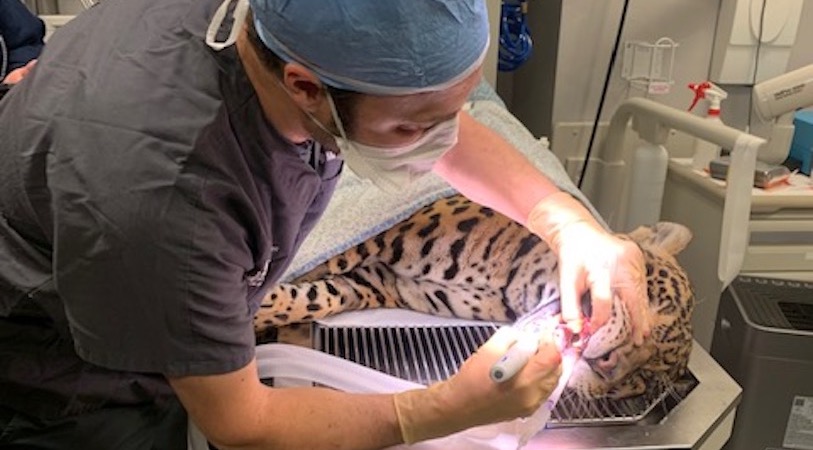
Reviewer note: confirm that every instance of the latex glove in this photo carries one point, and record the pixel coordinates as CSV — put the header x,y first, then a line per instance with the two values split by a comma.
x,y
470,398
591,258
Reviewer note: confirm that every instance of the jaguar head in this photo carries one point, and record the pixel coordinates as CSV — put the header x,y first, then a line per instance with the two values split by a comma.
x,y
611,364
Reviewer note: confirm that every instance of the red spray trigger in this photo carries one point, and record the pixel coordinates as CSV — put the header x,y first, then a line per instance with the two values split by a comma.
x,y
699,92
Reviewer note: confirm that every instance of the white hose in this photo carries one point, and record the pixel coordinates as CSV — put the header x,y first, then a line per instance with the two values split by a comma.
x,y
298,363
737,207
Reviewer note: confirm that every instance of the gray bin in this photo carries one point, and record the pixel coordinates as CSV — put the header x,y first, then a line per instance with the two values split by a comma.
x,y
764,339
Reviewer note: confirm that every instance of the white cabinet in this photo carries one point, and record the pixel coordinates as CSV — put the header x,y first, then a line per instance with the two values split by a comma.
x,y
780,242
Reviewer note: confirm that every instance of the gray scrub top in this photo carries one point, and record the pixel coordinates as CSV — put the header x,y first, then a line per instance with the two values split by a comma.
x,y
145,208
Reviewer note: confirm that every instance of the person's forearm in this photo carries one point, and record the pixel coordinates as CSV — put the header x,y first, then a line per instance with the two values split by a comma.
x,y
316,418
236,411
487,169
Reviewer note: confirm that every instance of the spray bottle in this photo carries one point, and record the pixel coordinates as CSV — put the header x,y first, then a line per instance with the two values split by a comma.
x,y
704,151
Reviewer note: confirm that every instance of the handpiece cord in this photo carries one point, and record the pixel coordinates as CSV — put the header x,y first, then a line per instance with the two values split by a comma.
x,y
756,66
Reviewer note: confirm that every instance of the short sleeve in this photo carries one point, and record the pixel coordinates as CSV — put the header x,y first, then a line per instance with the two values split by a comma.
x,y
153,278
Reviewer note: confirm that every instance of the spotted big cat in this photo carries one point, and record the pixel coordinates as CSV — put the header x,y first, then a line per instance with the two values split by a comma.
x,y
456,258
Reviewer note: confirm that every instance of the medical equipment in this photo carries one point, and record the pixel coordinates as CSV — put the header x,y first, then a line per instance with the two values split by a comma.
x,y
514,359
785,93
766,176
778,98
542,320
526,346
764,339
515,37
705,151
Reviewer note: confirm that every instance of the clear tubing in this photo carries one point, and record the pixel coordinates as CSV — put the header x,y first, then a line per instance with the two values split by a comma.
x,y
299,363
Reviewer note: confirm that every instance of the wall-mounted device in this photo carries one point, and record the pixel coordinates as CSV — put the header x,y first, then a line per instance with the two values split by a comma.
x,y
778,98
754,40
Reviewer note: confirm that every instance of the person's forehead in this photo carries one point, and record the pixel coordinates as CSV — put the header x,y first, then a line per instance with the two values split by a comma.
x,y
424,107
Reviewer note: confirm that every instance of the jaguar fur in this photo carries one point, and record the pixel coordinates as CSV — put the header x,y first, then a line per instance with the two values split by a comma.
x,y
456,258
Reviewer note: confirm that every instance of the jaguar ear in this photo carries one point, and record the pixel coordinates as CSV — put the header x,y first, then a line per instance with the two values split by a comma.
x,y
668,236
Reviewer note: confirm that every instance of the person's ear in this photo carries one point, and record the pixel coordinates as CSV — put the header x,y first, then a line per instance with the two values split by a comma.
x,y
304,87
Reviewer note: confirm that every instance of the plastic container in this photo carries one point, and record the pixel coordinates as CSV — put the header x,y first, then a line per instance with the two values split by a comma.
x,y
649,166
801,149
704,151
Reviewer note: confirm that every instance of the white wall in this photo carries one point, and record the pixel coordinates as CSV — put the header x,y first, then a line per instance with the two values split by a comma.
x,y
586,32
587,35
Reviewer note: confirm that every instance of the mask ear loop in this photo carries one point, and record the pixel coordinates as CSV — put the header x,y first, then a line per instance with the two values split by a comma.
x,y
335,112
240,12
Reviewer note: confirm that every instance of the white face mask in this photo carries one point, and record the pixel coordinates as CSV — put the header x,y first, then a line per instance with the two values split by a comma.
x,y
392,169
239,16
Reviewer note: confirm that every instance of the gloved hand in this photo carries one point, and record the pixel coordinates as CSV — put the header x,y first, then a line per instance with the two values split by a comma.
x,y
591,258
470,398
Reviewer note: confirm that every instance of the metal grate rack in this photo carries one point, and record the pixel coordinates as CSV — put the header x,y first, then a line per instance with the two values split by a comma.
x,y
426,354
421,354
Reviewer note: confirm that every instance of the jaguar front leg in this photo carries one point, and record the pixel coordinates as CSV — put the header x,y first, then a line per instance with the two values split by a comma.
x,y
301,302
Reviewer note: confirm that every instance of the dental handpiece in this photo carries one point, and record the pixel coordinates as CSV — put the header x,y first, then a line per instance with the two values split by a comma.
x,y
515,358
524,348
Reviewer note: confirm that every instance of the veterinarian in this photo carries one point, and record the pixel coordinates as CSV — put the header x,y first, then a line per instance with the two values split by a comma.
x,y
155,181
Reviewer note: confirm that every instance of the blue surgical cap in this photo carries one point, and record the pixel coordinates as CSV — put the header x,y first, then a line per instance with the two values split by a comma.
x,y
387,47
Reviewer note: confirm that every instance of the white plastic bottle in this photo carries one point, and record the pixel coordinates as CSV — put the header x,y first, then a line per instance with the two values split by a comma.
x,y
649,167
704,151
